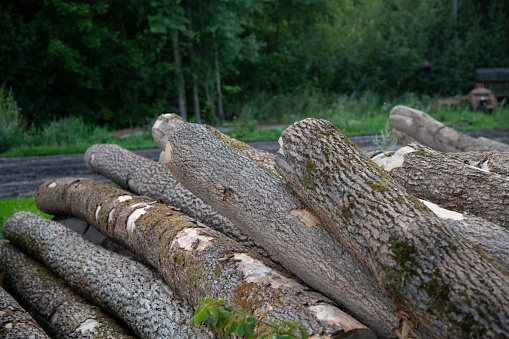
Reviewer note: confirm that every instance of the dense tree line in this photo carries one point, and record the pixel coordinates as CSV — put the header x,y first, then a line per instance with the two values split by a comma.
x,y
119,62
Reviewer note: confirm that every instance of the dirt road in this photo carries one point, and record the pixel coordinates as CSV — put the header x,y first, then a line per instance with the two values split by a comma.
x,y
20,176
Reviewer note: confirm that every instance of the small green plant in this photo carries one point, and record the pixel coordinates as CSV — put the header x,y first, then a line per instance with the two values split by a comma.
x,y
10,120
218,313
386,141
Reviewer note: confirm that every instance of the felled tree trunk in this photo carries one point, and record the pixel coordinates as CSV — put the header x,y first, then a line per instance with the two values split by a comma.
x,y
445,282
263,206
63,313
197,262
15,322
496,162
152,179
167,124
123,287
450,183
430,132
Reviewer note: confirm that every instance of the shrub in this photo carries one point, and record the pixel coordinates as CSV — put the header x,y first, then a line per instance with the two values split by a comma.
x,y
10,120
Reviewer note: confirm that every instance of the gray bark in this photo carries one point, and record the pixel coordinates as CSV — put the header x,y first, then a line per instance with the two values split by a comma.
x,y
430,132
15,322
452,183
450,286
264,207
496,162
164,126
152,179
125,288
195,261
63,313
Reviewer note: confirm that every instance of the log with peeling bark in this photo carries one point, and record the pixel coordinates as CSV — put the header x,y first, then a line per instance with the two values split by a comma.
x,y
15,322
152,179
496,162
416,125
449,285
262,205
196,261
450,183
63,313
166,125
123,287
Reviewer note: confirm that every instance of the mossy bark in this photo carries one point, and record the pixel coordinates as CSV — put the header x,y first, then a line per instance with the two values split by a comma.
x,y
195,261
442,280
424,129
262,205
15,322
152,179
449,182
123,287
63,313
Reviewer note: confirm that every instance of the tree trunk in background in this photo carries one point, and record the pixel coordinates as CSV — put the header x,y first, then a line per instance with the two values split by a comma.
x,y
196,99
126,288
430,132
263,206
63,313
179,72
445,282
147,177
195,261
452,184
211,103
219,93
15,322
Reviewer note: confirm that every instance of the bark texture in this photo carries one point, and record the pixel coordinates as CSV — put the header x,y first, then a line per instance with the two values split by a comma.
x,y
262,205
63,313
152,179
450,183
430,132
125,288
166,125
496,162
197,262
15,322
450,286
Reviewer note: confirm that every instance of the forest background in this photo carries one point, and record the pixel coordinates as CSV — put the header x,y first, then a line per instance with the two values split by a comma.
x,y
120,63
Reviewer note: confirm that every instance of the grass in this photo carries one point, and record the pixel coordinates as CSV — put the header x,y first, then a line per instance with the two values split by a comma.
x,y
10,206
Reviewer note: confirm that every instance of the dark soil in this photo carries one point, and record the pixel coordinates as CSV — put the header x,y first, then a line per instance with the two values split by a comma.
x,y
20,176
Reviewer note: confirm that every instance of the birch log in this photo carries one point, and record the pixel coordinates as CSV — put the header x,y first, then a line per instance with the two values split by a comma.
x,y
430,132
125,288
63,313
262,205
450,183
197,262
450,286
152,179
15,322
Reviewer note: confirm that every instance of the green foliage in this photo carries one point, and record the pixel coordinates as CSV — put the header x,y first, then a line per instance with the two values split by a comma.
x,y
238,322
10,206
385,141
10,120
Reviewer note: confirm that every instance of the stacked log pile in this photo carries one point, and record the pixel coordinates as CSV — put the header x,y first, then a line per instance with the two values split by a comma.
x,y
346,244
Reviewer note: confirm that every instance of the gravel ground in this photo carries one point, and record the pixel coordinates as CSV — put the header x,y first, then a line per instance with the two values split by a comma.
x,y
20,176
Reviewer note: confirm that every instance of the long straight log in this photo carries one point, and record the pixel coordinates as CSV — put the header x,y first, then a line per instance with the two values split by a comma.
x,y
63,313
15,322
496,162
262,205
445,282
125,288
452,183
149,178
197,262
430,132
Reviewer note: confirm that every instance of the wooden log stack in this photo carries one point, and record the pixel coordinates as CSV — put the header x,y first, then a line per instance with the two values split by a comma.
x,y
349,245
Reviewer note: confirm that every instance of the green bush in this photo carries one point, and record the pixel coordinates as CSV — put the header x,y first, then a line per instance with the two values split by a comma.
x,y
10,120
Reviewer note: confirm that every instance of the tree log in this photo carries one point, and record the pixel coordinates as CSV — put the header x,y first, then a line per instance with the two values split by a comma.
x,y
496,162
152,179
430,132
123,287
63,313
164,126
197,262
445,282
262,205
15,322
452,184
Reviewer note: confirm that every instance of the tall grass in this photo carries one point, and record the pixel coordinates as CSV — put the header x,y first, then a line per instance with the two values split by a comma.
x,y
10,120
